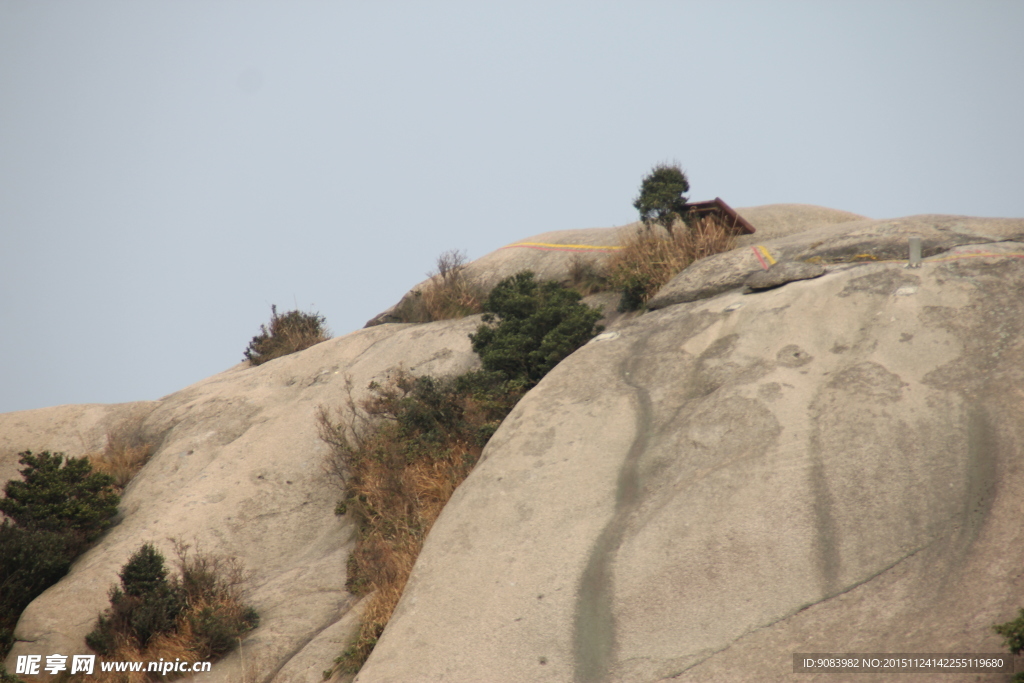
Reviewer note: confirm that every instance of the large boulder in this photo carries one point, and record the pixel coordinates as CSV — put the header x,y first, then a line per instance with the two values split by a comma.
x,y
828,466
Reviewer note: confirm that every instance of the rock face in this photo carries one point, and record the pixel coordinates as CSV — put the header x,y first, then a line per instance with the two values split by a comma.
x,y
830,465
781,273
858,241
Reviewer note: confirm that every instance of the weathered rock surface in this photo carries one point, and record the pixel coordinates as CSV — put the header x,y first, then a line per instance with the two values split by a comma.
x,y
783,272
847,242
829,466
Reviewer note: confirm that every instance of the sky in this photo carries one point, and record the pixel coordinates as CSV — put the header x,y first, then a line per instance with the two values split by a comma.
x,y
170,169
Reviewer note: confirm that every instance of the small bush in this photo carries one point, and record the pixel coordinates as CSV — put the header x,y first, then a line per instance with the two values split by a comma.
x,y
60,495
145,605
661,201
288,333
650,258
213,588
198,615
530,326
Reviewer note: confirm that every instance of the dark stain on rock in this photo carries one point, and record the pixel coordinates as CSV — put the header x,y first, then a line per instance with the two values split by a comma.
x,y
715,367
870,380
906,336
981,476
723,346
825,543
539,442
769,391
792,356
882,283
594,639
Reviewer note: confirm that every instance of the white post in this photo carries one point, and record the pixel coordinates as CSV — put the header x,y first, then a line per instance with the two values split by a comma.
x,y
915,253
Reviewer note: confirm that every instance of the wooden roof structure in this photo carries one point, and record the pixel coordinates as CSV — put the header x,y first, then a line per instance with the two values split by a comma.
x,y
723,213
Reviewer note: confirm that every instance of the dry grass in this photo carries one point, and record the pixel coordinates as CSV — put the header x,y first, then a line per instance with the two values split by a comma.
x,y
397,478
167,646
449,293
128,449
651,257
586,275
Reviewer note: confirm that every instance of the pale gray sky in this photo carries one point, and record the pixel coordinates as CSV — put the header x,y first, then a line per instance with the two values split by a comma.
x,y
168,170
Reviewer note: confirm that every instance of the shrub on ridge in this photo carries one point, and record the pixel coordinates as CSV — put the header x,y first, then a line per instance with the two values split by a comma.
x,y
293,331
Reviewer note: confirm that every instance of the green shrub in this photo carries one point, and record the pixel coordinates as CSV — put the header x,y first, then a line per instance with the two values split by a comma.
x,y
288,333
144,573
217,627
661,199
636,290
69,498
198,615
147,605
1013,638
30,562
52,515
530,326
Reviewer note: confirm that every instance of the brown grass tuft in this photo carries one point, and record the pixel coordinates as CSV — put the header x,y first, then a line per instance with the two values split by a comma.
x,y
128,449
586,275
447,295
450,294
651,257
